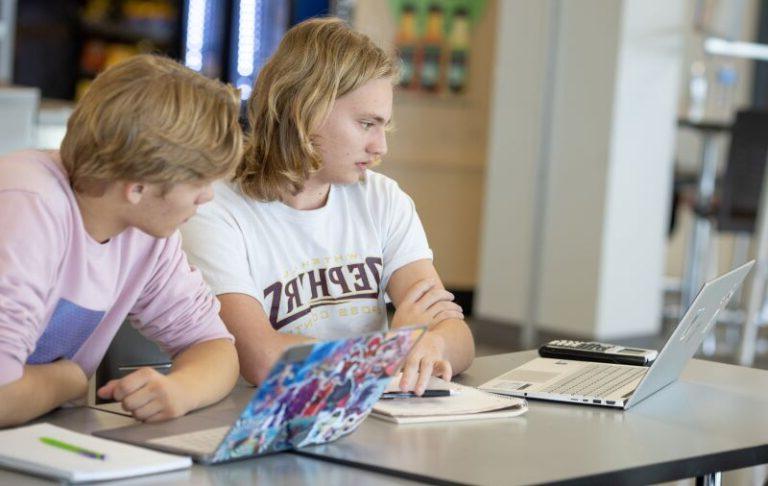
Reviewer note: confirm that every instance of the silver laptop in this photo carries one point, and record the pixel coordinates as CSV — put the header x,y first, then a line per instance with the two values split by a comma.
x,y
622,386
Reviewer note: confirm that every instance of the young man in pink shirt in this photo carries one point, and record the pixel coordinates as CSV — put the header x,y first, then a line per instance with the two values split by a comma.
x,y
88,238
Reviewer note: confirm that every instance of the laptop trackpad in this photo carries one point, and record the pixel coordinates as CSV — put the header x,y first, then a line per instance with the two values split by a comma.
x,y
529,376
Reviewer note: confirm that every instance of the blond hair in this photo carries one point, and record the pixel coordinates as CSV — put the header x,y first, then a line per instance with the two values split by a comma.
x,y
150,119
318,61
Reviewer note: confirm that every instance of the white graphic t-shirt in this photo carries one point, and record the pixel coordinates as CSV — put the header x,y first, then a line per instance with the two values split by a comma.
x,y
321,273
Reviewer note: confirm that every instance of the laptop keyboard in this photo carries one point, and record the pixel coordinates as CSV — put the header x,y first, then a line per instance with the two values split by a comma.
x,y
596,380
201,441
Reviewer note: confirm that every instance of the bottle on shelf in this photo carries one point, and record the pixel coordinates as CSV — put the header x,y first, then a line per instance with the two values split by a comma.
x,y
697,92
458,44
432,49
406,41
727,81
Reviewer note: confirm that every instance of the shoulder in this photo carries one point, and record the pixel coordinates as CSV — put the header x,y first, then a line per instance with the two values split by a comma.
x,y
33,171
384,194
231,205
218,220
376,189
146,256
378,198
376,183
227,191
34,175
228,203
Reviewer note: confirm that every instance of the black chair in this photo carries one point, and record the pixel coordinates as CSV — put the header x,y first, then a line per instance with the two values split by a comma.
x,y
741,184
740,191
128,352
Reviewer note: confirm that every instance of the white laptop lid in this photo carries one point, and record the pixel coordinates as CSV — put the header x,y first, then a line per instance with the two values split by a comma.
x,y
690,333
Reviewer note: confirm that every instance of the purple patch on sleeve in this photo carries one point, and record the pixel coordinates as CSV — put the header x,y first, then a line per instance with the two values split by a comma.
x,y
69,327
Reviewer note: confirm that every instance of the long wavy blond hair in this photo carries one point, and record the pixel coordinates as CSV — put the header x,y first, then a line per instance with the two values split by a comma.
x,y
318,61
150,119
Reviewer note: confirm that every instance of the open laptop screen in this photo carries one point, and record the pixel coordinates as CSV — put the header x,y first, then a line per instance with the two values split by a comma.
x,y
316,393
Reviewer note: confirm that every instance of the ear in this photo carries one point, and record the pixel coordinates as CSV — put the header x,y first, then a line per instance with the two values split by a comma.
x,y
134,191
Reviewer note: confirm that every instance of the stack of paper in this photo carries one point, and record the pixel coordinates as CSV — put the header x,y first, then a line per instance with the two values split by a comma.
x,y
466,403
52,451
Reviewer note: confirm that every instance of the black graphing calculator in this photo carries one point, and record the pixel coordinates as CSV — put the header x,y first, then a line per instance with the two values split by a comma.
x,y
591,351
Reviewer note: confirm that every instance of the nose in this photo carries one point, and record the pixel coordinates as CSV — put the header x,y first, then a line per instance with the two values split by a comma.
x,y
378,144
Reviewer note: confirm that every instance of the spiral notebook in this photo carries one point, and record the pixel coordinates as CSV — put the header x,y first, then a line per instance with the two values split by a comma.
x,y
47,450
466,403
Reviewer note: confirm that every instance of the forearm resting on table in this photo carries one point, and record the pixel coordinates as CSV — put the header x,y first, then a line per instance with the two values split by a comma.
x,y
207,370
40,389
257,358
258,345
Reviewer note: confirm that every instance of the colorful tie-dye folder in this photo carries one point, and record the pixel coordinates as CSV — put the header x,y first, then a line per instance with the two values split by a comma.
x,y
314,394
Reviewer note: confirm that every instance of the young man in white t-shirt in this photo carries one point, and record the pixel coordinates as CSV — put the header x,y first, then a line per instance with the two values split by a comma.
x,y
305,242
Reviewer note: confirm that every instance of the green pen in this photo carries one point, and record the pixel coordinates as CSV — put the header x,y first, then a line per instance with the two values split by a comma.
x,y
72,448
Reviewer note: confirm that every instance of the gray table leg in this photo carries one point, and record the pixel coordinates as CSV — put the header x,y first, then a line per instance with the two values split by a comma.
x,y
757,287
698,245
694,275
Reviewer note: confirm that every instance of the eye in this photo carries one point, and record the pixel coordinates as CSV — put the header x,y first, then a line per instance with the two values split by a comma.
x,y
366,124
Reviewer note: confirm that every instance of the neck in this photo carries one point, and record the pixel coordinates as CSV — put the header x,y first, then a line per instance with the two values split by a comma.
x,y
313,196
99,221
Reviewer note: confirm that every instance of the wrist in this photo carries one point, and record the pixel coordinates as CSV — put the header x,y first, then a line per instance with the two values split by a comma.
x,y
184,391
405,319
436,340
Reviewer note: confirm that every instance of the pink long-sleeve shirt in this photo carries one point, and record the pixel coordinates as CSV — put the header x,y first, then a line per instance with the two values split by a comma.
x,y
63,295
